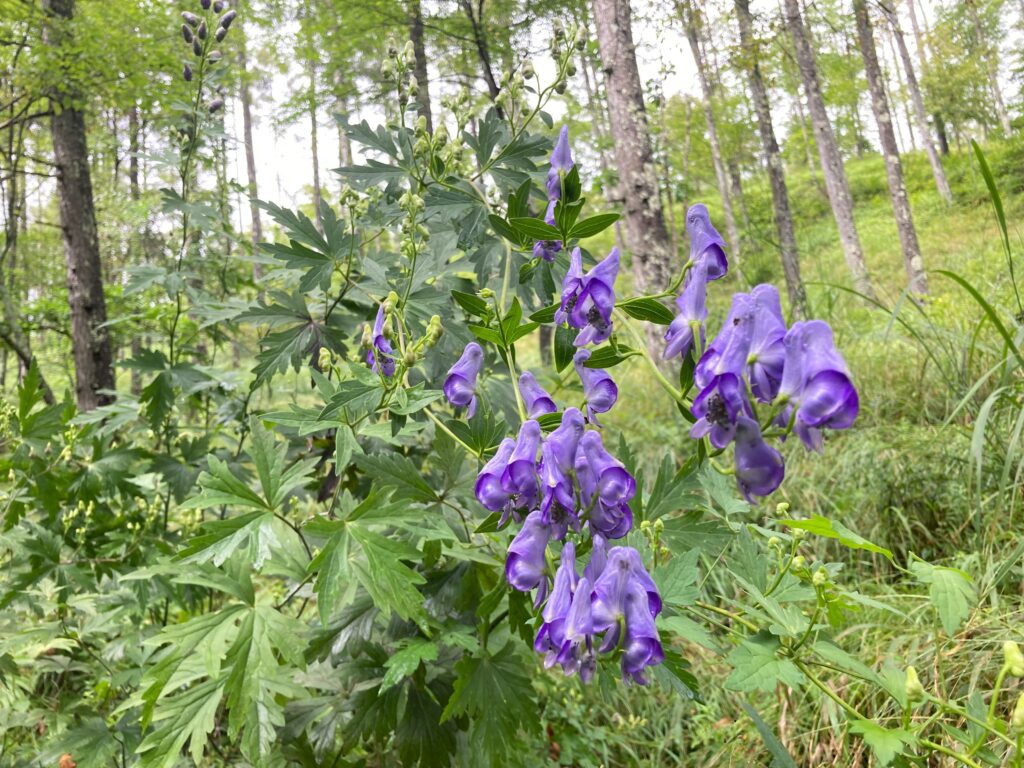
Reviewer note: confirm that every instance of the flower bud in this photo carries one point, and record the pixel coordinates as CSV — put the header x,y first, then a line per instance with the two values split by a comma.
x,y
410,357
197,48
367,340
215,105
798,562
570,69
408,52
187,73
390,302
324,359
581,43
782,508
560,87
559,30
205,4
912,687
190,18
1013,658
392,48
218,6
216,56
440,136
201,31
1017,719
528,71
388,331
220,34
421,147
799,533
414,85
387,69
434,330
186,33
820,577
485,293
227,18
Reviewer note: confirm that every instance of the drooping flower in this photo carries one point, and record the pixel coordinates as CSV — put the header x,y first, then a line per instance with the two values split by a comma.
x,y
759,467
538,402
767,351
598,557
460,384
548,249
626,598
729,350
557,462
706,245
599,389
816,383
577,654
717,409
692,313
572,286
381,356
561,163
526,563
605,487
551,636
489,490
590,308
520,476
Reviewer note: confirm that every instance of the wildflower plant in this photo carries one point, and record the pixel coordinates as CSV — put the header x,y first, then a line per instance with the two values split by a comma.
x,y
380,570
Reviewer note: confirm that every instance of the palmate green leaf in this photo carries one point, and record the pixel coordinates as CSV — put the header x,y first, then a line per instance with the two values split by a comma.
x,y
297,225
885,743
220,539
281,349
268,455
390,582
831,529
419,736
221,487
950,590
758,667
187,717
391,470
495,693
404,662
90,743
677,579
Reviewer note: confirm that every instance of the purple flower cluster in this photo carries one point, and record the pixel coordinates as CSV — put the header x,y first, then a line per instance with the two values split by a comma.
x,y
561,163
797,372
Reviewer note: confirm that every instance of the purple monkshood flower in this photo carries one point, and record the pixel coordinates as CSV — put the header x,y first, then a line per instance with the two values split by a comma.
x,y
489,490
605,487
538,402
561,163
767,352
816,383
729,350
520,476
598,557
625,597
759,467
526,563
599,389
460,384
588,300
577,653
551,636
548,249
717,409
692,312
706,245
381,356
557,462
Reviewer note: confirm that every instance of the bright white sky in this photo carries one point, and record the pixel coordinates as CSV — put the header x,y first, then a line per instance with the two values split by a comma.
x,y
284,169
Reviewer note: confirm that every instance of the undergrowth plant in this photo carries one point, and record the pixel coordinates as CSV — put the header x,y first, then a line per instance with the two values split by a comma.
x,y
379,570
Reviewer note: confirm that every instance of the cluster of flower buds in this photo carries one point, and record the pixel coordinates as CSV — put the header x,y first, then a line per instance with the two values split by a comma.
x,y
195,31
796,372
563,46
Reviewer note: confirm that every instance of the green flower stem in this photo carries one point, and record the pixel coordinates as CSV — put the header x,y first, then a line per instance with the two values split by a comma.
x,y
785,569
728,614
1003,672
946,706
843,704
950,752
642,347
441,425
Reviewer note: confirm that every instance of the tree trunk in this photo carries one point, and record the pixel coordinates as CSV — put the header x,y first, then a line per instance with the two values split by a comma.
x,y
245,96
602,130
645,224
690,20
476,20
836,184
992,65
912,260
773,161
920,117
315,144
89,338
420,52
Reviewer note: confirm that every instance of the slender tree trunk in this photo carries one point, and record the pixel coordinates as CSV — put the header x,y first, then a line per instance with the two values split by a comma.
x,y
89,338
245,96
692,23
940,123
135,190
315,144
912,260
836,184
992,65
645,223
420,53
773,161
603,130
920,117
476,20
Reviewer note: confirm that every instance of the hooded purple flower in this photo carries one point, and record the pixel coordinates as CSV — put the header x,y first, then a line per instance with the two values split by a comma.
x,y
717,408
577,653
599,389
548,249
759,467
538,402
692,312
520,476
551,636
460,384
590,307
816,383
572,286
605,486
381,356
706,245
526,563
557,462
489,490
598,557
729,350
625,594
767,351
561,163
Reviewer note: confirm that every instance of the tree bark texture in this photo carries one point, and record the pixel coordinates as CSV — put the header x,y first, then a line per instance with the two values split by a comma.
x,y
415,13
245,96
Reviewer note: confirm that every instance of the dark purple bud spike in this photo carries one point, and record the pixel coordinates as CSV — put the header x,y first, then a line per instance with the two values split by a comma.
x,y
190,18
187,73
220,34
227,18
205,4
218,6
215,105
197,48
201,31
186,33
